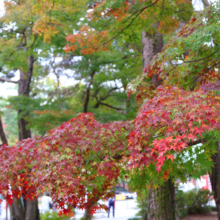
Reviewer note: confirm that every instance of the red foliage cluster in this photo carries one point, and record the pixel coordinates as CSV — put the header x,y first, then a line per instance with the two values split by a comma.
x,y
79,162
170,122
75,162
211,86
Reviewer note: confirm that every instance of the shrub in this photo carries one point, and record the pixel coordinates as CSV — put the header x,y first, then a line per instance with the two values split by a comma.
x,y
193,202
53,216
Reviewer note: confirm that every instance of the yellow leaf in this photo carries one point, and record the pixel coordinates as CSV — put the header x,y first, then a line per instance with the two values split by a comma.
x,y
58,182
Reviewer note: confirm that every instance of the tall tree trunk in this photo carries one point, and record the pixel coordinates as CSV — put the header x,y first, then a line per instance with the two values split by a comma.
x,y
17,211
2,133
32,211
205,3
24,90
29,209
152,44
161,202
215,178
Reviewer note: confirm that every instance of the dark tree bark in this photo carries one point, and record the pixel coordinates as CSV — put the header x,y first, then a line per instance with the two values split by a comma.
x,y
86,102
30,210
215,178
174,211
2,133
24,90
17,211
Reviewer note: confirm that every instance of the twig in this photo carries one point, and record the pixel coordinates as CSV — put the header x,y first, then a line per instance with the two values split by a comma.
x,y
140,11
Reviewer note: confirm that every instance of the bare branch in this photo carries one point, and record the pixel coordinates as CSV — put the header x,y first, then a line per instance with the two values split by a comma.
x,y
108,94
192,61
7,80
110,106
195,142
99,100
35,38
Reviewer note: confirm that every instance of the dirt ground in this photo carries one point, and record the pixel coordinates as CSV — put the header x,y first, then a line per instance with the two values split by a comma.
x,y
211,216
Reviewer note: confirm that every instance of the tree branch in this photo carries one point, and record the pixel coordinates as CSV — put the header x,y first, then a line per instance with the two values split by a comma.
x,y
85,107
131,22
99,100
110,106
109,92
35,38
207,70
7,80
192,61
192,143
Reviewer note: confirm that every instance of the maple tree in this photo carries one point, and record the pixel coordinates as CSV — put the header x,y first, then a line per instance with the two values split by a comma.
x,y
27,35
170,121
183,62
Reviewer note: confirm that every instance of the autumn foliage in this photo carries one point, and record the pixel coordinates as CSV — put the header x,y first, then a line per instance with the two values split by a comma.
x,y
77,162
170,122
88,39
81,161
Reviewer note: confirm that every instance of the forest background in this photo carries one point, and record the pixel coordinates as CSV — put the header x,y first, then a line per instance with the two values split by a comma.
x,y
163,54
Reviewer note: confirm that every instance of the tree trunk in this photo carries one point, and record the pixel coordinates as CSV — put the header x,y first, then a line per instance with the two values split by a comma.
x,y
161,202
32,211
215,178
205,3
24,90
91,201
29,209
87,215
17,211
152,44
86,102
2,133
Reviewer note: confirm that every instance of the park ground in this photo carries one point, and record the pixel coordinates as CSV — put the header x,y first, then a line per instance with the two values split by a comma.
x,y
127,209
211,216
124,210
